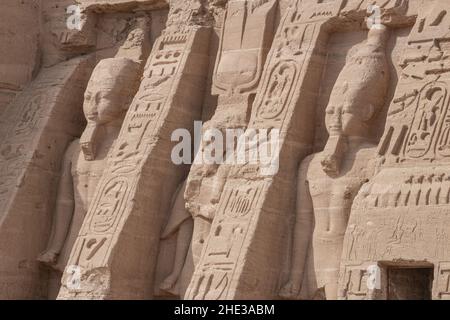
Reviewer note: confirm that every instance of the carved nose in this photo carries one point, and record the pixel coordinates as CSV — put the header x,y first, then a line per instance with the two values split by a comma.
x,y
337,118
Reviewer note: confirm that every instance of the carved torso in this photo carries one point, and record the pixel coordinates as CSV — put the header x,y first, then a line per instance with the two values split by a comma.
x,y
333,197
86,176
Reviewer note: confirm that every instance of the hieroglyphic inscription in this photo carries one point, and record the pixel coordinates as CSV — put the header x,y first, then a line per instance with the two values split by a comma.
x,y
25,118
223,249
444,281
244,45
422,134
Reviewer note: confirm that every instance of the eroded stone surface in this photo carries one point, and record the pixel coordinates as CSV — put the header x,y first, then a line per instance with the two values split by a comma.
x,y
93,205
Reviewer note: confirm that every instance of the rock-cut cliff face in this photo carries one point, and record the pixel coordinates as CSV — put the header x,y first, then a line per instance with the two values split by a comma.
x,y
224,149
19,50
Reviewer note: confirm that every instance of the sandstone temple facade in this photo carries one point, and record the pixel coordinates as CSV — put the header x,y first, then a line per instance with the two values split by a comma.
x,y
93,205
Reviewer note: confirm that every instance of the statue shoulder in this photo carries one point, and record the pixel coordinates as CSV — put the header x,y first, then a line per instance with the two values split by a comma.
x,y
306,163
369,152
369,156
311,159
72,150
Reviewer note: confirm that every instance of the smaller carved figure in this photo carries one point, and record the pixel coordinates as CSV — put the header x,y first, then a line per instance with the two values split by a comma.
x,y
329,181
181,224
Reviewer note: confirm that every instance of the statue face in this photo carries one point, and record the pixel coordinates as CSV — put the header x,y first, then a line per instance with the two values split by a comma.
x,y
101,105
347,113
109,90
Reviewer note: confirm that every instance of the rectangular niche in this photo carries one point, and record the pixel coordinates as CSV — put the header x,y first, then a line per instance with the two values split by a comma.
x,y
408,282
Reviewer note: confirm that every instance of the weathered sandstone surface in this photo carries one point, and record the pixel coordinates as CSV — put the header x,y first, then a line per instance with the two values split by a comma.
x,y
353,204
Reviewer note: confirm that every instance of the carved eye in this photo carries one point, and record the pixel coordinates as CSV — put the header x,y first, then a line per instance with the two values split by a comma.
x,y
346,111
106,96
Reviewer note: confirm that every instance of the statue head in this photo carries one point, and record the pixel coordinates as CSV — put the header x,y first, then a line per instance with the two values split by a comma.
x,y
108,95
359,93
348,113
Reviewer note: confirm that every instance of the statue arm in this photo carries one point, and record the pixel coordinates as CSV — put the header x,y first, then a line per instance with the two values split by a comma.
x,y
65,203
178,214
180,222
302,234
219,185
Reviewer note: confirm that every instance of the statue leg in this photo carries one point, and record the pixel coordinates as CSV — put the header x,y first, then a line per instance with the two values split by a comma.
x,y
331,288
54,284
183,242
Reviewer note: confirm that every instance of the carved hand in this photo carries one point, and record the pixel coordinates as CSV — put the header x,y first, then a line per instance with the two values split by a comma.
x,y
48,257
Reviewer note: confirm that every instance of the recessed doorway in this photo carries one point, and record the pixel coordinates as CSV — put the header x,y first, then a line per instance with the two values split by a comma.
x,y
409,283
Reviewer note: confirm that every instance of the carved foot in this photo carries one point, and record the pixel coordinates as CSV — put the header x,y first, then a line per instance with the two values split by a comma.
x,y
169,285
48,258
290,291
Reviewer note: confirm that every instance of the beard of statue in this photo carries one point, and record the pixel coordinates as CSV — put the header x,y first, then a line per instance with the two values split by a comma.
x,y
87,141
333,154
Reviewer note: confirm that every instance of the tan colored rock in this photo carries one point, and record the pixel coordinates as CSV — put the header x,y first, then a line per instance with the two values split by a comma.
x,y
39,128
353,203
242,53
181,223
399,220
329,181
140,161
19,52
246,239
112,86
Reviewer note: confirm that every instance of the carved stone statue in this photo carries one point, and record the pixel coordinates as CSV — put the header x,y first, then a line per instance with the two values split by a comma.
x,y
245,41
181,224
107,97
114,215
329,181
110,90
207,193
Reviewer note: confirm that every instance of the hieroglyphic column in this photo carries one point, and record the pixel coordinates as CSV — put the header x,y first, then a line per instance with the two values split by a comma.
x,y
247,34
116,251
39,124
247,236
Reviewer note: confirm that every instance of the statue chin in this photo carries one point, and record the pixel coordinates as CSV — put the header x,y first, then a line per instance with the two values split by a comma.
x,y
87,141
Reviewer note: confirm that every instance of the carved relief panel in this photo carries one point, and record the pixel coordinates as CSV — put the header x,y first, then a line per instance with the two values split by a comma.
x,y
294,41
245,39
443,281
223,250
418,120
